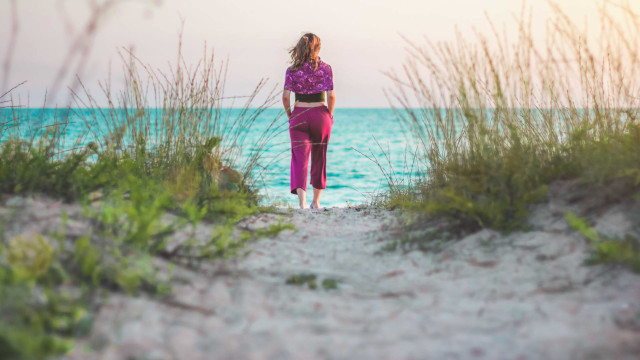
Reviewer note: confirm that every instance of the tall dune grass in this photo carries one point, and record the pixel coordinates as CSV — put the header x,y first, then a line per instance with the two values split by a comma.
x,y
164,155
168,117
501,115
164,124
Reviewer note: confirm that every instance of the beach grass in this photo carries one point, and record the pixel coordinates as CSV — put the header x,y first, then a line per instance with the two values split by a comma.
x,y
499,117
162,157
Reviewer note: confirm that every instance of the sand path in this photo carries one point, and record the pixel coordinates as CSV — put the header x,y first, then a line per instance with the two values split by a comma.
x,y
487,296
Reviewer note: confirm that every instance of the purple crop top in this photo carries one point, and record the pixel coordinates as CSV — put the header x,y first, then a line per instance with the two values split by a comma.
x,y
308,81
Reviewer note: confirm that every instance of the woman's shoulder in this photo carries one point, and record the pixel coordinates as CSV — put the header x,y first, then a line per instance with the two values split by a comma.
x,y
324,65
292,70
307,68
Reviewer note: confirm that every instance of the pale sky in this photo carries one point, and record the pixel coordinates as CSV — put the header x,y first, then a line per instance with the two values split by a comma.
x,y
360,38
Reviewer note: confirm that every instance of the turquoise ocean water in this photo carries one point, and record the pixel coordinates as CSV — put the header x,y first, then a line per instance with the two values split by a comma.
x,y
351,177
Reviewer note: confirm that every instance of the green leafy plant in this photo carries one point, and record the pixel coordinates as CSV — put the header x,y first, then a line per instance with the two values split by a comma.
x,y
330,284
303,279
607,250
311,281
29,256
274,230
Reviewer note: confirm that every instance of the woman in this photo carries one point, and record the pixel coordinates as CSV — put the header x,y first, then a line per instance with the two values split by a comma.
x,y
311,120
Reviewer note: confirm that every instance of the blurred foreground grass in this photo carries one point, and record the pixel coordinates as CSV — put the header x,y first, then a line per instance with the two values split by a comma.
x,y
162,158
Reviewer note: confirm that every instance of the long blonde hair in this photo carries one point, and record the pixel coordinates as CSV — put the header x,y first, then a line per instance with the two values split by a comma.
x,y
305,50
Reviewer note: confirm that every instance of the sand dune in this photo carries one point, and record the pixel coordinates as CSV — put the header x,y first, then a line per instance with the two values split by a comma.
x,y
526,295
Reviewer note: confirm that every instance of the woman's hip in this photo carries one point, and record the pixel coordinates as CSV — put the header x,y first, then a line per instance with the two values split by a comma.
x,y
313,117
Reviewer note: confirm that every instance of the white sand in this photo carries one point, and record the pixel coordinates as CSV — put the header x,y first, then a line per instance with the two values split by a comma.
x,y
487,296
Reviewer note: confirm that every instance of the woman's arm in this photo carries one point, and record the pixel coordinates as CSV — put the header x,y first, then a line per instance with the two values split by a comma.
x,y
331,101
286,101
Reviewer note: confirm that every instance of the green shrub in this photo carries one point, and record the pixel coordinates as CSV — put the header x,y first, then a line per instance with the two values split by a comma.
x,y
496,120
624,251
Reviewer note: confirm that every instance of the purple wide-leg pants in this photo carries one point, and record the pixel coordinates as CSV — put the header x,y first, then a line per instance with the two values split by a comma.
x,y
309,129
